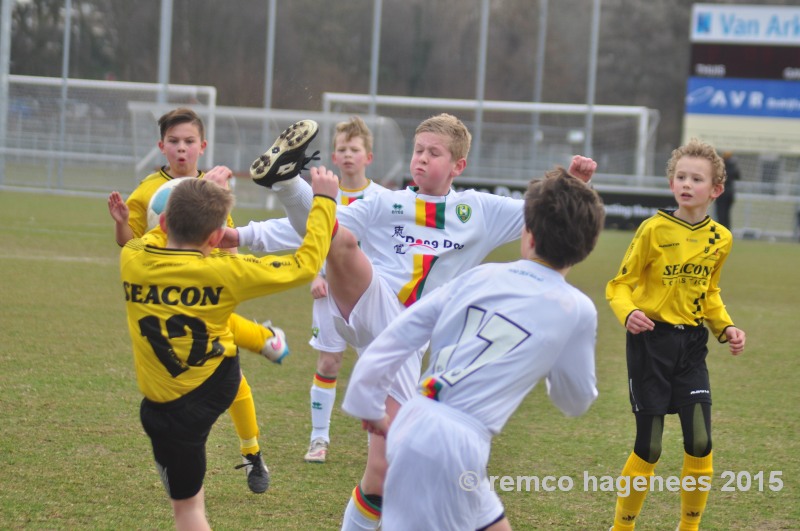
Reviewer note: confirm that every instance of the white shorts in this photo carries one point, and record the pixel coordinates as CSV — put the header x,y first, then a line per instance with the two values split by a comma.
x,y
324,336
373,312
447,451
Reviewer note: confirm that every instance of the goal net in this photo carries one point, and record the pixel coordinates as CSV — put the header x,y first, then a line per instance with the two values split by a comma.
x,y
518,140
79,135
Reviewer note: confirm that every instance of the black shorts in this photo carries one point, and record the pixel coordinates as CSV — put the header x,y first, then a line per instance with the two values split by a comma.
x,y
178,430
667,368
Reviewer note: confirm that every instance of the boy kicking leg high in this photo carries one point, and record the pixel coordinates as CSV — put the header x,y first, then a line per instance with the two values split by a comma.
x,y
411,241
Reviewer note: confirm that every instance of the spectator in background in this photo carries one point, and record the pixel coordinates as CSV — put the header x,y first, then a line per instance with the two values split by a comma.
x,y
725,201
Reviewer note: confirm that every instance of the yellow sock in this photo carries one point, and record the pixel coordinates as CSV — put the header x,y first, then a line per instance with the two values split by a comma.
x,y
243,415
628,507
695,494
248,334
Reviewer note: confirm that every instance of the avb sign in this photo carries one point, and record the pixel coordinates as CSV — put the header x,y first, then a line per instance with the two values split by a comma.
x,y
743,97
738,24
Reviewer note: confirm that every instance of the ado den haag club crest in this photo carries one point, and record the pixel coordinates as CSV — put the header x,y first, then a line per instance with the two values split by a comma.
x,y
464,212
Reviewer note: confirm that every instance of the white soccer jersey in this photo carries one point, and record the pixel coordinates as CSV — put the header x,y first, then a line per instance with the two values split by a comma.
x,y
274,235
418,242
495,332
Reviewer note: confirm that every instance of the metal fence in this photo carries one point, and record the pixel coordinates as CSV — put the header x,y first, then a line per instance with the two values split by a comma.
x,y
103,137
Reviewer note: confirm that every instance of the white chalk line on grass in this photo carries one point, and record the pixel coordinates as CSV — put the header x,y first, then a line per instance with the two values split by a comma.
x,y
44,230
75,259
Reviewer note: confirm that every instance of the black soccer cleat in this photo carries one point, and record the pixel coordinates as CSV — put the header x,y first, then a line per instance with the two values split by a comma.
x,y
256,471
287,156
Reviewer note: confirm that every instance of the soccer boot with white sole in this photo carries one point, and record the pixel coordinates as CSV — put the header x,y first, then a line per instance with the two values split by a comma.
x,y
287,156
317,451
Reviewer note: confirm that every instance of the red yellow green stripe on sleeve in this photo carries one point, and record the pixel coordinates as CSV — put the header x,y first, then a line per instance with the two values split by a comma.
x,y
430,388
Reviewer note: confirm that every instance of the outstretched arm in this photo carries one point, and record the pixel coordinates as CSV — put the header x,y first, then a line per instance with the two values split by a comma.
x,y
274,235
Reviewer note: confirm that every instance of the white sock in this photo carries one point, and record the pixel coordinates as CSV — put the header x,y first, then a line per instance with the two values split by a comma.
x,y
322,401
296,196
355,521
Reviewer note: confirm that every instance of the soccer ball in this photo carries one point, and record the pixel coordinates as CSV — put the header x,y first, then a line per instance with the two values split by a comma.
x,y
159,201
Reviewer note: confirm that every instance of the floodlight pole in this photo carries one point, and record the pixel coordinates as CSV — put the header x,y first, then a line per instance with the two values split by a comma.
x,y
5,93
480,92
269,68
537,82
375,56
590,88
62,123
164,49
270,61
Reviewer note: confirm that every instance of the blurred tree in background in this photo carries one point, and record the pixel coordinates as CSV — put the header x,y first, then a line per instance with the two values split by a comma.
x,y
428,48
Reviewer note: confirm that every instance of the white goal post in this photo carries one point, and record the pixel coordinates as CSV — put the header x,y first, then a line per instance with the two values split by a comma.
x,y
78,134
645,119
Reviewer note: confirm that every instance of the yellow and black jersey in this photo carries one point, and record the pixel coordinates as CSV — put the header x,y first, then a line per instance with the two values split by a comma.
x,y
178,302
139,200
671,272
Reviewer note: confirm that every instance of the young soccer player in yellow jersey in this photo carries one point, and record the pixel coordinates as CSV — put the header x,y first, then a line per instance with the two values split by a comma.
x,y
667,296
352,153
179,298
183,142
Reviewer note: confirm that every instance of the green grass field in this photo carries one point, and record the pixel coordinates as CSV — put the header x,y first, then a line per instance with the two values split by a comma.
x,y
73,454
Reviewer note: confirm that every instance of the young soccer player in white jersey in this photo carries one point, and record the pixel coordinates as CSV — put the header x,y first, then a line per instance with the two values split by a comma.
x,y
182,142
179,298
352,154
666,290
411,241
494,332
